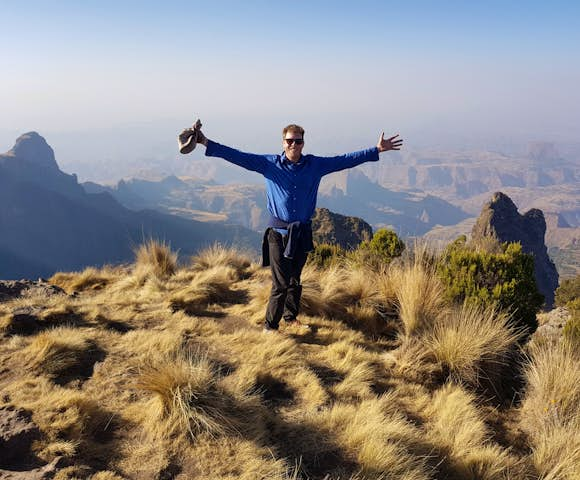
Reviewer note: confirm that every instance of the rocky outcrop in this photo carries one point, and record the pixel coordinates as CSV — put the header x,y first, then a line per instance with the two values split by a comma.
x,y
333,228
10,289
500,219
552,324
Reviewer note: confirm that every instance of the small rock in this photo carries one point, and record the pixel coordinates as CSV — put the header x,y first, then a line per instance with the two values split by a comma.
x,y
17,432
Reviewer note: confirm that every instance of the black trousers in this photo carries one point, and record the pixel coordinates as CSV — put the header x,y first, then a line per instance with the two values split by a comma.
x,y
286,289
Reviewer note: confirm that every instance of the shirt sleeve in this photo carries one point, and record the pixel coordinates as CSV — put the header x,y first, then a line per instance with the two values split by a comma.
x,y
249,161
341,162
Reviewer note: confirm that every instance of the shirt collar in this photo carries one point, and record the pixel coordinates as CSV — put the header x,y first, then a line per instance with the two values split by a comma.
x,y
288,162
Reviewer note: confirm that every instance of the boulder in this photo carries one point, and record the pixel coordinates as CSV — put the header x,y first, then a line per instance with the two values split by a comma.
x,y
500,219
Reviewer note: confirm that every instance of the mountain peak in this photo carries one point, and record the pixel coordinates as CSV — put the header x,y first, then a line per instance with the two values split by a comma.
x,y
33,148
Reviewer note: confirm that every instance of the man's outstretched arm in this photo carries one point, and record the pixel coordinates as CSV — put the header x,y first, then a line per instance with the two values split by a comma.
x,y
350,160
249,161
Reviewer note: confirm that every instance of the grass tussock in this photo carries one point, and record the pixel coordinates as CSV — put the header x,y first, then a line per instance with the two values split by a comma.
x,y
471,342
90,278
379,439
155,258
459,432
214,285
189,399
419,294
549,411
339,293
184,394
220,256
61,353
412,362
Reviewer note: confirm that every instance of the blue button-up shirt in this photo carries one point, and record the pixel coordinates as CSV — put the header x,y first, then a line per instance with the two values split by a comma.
x,y
291,188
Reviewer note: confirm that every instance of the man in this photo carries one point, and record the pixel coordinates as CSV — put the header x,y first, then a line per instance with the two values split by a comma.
x,y
292,181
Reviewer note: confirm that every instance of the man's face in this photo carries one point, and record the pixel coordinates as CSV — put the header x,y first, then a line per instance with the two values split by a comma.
x,y
293,143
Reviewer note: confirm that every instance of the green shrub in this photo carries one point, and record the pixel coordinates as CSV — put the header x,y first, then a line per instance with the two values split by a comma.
x,y
325,255
568,291
503,280
377,252
385,243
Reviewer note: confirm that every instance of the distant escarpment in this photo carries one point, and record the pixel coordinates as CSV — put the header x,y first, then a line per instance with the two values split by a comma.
x,y
350,193
461,175
500,219
407,212
48,222
333,228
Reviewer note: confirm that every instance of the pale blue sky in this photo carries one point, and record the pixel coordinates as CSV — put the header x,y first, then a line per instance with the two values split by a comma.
x,y
346,70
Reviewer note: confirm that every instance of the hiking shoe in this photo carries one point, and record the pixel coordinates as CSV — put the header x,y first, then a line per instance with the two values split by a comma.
x,y
268,329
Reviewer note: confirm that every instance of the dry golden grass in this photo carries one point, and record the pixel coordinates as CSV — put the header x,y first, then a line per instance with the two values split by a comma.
x,y
68,419
333,293
550,412
412,362
459,432
255,309
351,295
338,401
384,444
90,278
155,258
420,299
59,352
548,388
220,256
185,400
105,475
471,342
213,285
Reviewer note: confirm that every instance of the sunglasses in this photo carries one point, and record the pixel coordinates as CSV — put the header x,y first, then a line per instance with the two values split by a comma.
x,y
298,141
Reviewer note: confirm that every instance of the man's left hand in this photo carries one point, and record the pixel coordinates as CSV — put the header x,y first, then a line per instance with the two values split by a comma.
x,y
391,143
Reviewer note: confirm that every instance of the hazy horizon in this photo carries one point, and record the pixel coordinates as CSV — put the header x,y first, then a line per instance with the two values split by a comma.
x,y
108,82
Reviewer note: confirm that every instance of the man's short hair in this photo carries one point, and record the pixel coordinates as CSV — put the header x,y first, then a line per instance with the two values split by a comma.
x,y
293,128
